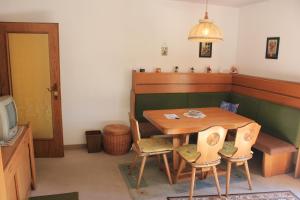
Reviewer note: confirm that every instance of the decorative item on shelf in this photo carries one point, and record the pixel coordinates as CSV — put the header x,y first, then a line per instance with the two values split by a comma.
x,y
158,70
205,50
206,30
176,68
192,69
234,70
142,70
272,48
208,69
164,49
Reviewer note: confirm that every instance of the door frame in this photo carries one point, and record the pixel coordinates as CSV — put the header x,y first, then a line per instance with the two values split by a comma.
x,y
43,147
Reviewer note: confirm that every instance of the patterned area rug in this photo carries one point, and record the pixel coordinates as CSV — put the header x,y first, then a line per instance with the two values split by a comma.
x,y
280,195
67,196
155,185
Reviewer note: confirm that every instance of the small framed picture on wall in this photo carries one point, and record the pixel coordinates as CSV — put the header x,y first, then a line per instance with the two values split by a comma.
x,y
205,50
272,48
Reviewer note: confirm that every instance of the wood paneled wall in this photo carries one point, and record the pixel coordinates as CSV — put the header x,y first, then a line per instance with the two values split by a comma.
x,y
147,83
277,91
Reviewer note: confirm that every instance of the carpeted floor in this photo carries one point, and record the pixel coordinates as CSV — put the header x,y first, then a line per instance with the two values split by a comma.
x,y
278,195
66,196
98,176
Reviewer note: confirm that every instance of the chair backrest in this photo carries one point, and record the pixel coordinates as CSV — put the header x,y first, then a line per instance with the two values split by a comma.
x,y
135,130
245,138
210,142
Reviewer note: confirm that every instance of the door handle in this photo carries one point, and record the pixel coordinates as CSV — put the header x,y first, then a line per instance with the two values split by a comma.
x,y
54,90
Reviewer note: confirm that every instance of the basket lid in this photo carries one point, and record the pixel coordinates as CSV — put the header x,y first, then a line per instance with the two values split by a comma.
x,y
116,129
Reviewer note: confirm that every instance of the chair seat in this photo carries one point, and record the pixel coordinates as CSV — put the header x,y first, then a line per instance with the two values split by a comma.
x,y
151,145
167,137
228,149
189,152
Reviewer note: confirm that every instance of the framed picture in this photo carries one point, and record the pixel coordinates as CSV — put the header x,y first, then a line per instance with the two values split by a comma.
x,y
205,50
272,48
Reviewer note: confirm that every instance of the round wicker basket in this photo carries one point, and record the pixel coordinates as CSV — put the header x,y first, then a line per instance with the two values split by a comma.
x,y
116,139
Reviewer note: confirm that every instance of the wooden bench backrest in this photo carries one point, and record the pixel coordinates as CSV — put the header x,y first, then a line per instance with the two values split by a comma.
x,y
154,83
276,91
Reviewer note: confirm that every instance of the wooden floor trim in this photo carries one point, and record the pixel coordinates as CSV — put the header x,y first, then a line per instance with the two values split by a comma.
x,y
74,146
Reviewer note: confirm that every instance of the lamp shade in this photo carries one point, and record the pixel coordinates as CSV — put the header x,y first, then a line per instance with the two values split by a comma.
x,y
206,31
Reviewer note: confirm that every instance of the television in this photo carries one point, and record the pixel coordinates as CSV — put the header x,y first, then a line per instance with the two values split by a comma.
x,y
8,119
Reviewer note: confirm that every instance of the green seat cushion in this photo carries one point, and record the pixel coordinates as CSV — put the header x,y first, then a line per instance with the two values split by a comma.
x,y
152,145
228,149
158,102
248,106
209,99
189,152
280,121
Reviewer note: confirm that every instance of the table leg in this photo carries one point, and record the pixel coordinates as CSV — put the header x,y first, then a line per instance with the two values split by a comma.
x,y
176,143
178,140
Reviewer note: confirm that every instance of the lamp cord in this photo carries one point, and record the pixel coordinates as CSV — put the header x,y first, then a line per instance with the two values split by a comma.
x,y
206,13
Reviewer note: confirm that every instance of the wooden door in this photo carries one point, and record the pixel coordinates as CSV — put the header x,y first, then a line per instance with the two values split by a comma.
x,y
30,72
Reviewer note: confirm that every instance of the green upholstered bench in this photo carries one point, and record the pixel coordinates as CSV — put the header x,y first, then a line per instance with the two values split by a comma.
x,y
282,125
175,90
280,121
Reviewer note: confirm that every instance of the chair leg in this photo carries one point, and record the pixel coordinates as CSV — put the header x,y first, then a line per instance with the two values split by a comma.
x,y
228,176
192,183
248,175
141,171
217,180
181,167
167,168
297,168
133,164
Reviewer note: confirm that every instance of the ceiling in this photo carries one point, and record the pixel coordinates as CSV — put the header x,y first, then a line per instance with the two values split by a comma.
x,y
232,3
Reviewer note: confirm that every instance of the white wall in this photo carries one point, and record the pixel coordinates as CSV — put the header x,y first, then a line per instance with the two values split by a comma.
x,y
268,19
101,41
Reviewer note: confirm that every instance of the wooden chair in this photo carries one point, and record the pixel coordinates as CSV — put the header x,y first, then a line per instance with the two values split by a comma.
x,y
148,147
204,155
239,151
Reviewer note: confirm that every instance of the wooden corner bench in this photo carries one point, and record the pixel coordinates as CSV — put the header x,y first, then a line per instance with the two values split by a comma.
x,y
277,154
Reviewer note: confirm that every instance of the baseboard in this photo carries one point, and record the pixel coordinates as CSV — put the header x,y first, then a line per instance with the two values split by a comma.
x,y
74,146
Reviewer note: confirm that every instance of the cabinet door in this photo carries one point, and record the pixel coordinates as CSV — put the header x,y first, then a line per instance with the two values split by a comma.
x,y
11,188
23,174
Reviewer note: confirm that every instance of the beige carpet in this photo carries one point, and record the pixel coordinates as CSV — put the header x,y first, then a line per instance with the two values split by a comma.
x,y
97,176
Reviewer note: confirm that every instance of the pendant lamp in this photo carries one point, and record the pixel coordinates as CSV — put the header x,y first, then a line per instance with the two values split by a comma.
x,y
206,31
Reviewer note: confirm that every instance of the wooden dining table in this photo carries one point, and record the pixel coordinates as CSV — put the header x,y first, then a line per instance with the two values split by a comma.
x,y
183,126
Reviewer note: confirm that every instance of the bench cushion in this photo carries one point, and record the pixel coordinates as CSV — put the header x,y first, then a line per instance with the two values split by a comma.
x,y
209,99
280,121
158,102
248,106
272,145
176,100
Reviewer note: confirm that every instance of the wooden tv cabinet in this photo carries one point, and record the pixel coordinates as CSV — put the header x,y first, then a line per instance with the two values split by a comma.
x,y
17,168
